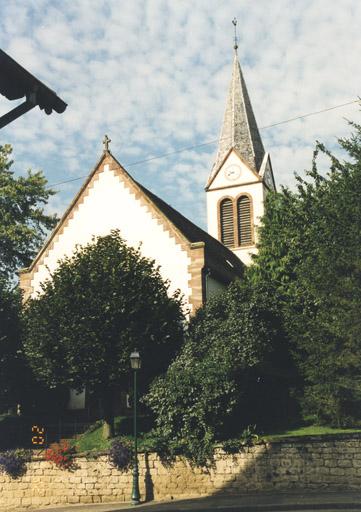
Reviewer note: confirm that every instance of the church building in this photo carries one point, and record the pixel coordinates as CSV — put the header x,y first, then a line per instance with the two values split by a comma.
x,y
194,261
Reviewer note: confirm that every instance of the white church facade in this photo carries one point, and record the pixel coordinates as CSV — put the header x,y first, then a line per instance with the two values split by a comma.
x,y
194,261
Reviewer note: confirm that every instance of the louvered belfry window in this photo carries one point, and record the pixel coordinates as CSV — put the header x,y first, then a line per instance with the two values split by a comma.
x,y
227,226
244,220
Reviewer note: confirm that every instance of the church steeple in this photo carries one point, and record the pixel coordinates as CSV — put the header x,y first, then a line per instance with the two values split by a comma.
x,y
242,174
239,128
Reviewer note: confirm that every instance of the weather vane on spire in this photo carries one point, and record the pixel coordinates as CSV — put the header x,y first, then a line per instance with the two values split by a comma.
x,y
234,21
106,142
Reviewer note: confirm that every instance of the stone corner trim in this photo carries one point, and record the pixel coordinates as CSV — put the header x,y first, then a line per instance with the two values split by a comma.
x,y
25,283
195,283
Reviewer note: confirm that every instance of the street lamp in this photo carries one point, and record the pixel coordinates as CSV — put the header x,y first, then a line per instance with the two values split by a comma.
x,y
135,363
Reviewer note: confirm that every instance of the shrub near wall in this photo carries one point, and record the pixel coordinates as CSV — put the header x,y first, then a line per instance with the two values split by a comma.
x,y
327,462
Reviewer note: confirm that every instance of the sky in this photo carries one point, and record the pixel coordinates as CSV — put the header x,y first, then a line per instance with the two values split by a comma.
x,y
154,75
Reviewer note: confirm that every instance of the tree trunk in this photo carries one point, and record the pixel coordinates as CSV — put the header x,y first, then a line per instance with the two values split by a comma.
x,y
108,413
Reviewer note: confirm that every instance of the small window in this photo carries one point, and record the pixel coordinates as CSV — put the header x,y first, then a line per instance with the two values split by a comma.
x,y
244,221
227,224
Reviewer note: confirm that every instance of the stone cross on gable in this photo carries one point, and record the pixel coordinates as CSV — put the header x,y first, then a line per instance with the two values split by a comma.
x,y
106,142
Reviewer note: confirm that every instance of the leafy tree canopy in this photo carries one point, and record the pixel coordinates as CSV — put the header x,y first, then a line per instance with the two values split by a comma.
x,y
23,222
99,305
229,373
10,346
310,257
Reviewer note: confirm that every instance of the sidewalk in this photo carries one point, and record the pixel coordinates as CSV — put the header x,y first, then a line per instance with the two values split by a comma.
x,y
306,501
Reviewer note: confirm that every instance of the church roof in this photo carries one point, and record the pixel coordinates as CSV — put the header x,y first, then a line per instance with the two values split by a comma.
x,y
239,128
219,253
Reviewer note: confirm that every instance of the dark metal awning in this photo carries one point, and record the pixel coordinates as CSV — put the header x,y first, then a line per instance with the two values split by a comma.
x,y
16,82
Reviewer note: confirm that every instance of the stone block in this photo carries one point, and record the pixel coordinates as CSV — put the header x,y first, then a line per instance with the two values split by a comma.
x,y
330,462
89,479
74,479
344,462
86,499
337,471
74,499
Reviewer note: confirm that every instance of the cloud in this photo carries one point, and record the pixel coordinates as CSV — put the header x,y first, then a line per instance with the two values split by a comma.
x,y
154,74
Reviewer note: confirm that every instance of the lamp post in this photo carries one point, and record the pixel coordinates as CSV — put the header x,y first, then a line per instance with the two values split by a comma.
x,y
135,363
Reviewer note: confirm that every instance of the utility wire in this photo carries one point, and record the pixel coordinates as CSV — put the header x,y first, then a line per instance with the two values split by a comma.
x,y
310,114
203,144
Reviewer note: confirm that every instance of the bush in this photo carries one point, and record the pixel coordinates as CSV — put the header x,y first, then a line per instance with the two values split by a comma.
x,y
60,454
230,361
247,438
121,454
13,462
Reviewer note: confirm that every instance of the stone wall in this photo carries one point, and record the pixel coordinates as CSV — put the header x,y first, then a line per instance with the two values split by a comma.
x,y
326,462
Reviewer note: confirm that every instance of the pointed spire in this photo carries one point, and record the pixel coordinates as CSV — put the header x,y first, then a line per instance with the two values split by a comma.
x,y
239,129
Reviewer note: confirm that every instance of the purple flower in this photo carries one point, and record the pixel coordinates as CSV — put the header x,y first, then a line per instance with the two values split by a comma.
x,y
13,462
120,455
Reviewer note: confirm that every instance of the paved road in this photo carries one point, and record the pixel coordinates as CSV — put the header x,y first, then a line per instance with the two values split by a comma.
x,y
252,502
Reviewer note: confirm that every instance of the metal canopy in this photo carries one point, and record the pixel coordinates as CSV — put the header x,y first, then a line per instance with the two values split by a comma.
x,y
16,82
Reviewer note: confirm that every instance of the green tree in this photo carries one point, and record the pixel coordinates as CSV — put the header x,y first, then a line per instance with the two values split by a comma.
x,y
232,371
11,361
23,223
310,255
17,384
100,304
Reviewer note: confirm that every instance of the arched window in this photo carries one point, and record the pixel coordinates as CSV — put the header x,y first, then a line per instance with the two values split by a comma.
x,y
245,235
227,223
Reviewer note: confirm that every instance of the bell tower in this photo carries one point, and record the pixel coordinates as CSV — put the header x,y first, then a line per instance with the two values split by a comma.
x,y
241,175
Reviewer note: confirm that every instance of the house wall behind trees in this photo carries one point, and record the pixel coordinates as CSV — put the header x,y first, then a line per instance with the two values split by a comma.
x,y
327,462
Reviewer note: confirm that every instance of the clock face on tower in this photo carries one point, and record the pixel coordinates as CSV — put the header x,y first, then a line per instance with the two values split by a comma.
x,y
232,172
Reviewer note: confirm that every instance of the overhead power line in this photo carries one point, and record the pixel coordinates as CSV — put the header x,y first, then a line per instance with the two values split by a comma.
x,y
310,114
203,144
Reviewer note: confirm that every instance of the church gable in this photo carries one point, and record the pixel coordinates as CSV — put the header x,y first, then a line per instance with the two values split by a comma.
x,y
266,173
234,171
111,199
